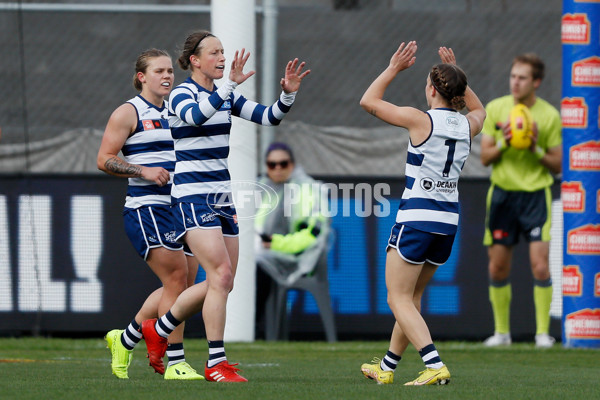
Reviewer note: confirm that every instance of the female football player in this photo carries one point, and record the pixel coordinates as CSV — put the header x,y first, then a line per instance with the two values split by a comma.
x,y
139,129
205,216
427,219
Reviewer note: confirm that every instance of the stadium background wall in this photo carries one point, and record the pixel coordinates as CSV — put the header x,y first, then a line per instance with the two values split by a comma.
x,y
65,69
92,279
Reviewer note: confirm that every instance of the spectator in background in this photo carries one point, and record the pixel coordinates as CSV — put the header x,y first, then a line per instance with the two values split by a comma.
x,y
427,219
140,130
519,199
285,228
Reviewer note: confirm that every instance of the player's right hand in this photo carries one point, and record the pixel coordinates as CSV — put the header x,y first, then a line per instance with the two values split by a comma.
x,y
404,57
236,74
158,175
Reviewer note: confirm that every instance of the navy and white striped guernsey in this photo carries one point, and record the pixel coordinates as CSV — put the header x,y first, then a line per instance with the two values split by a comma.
x,y
430,200
200,122
150,145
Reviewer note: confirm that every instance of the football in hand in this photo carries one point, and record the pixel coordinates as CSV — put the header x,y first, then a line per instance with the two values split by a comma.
x,y
521,126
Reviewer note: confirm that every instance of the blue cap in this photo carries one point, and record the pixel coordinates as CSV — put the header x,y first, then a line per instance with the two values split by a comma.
x,y
280,146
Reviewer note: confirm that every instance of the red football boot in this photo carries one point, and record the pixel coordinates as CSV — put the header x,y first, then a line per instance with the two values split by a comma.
x,y
223,372
156,345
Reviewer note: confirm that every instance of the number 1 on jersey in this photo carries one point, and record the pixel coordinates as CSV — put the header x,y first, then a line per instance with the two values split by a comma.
x,y
451,143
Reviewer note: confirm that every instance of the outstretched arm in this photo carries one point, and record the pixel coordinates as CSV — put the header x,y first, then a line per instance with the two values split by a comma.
x,y
261,114
372,100
293,76
477,113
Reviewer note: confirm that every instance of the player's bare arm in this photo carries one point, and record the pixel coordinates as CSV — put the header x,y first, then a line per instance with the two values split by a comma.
x,y
119,167
372,100
120,125
477,114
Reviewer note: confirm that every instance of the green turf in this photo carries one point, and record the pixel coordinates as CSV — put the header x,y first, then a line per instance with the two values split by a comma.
x,y
33,368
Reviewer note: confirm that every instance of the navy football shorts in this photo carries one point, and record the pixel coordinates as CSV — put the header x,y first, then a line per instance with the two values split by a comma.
x,y
417,247
149,227
190,216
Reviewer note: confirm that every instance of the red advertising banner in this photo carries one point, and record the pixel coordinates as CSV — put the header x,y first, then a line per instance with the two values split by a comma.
x,y
586,72
583,324
572,196
575,29
574,112
585,156
584,240
572,281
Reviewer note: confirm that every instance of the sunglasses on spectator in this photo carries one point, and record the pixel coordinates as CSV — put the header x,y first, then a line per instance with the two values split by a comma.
x,y
273,164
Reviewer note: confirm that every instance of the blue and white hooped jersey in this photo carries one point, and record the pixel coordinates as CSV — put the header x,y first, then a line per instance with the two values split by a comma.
x,y
150,145
430,200
200,122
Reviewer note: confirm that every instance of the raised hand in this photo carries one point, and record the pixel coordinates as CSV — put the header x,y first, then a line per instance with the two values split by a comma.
x,y
447,55
237,67
404,57
293,76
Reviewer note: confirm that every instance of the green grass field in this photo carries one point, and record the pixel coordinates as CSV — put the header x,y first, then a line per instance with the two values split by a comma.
x,y
34,368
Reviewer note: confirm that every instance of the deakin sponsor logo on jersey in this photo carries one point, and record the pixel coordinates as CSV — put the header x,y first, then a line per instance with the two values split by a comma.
x,y
446,186
427,184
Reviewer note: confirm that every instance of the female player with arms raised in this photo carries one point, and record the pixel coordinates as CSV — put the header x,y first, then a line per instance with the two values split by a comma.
x,y
427,219
201,125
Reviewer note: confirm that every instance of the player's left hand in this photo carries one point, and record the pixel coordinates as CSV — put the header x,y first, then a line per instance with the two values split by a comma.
x,y
293,76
